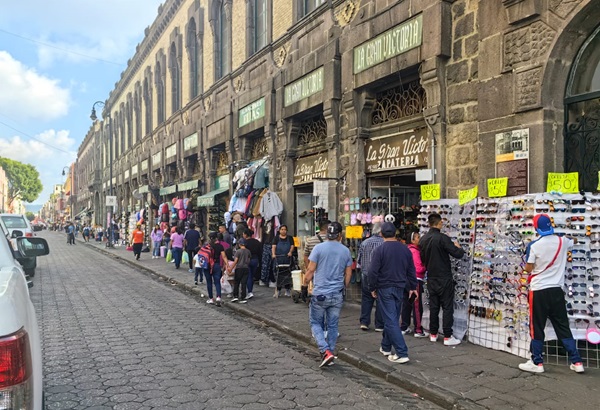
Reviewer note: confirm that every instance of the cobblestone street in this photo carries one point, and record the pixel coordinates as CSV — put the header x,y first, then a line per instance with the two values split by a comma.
x,y
115,338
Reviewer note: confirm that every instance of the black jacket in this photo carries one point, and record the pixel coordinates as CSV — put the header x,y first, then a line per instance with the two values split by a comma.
x,y
436,249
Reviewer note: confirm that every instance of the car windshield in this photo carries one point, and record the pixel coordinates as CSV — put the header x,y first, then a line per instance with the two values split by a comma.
x,y
14,222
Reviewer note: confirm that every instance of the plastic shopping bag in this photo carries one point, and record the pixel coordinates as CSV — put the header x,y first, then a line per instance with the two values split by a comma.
x,y
169,256
185,258
225,285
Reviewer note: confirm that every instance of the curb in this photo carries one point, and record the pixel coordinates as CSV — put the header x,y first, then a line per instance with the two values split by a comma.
x,y
429,391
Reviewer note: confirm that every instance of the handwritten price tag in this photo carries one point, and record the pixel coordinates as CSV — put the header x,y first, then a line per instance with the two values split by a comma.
x,y
497,187
467,195
565,183
354,232
430,192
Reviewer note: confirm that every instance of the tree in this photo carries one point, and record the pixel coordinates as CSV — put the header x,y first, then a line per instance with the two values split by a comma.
x,y
23,180
30,216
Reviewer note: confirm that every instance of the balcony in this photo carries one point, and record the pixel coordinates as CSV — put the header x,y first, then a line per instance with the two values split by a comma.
x,y
95,180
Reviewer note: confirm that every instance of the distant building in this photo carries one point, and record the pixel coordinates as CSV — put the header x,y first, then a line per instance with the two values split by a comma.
x,y
3,191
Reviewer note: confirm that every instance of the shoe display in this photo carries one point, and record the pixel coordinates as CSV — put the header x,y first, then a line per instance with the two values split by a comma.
x,y
327,357
531,367
210,301
433,337
383,352
451,341
396,359
423,334
364,327
250,295
577,367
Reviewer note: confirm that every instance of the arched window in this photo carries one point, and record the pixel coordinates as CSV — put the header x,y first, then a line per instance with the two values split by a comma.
x,y
148,101
195,56
224,41
175,69
160,93
258,24
129,119
308,6
582,115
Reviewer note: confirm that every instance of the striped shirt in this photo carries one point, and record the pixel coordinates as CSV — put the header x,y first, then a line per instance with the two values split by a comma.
x,y
366,250
313,241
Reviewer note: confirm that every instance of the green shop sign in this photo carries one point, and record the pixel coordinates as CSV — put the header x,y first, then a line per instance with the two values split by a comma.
x,y
398,40
251,112
303,88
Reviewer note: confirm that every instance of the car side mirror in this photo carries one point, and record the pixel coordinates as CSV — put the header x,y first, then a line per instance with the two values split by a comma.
x,y
31,247
16,233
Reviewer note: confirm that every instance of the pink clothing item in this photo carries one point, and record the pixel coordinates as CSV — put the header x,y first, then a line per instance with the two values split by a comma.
x,y
419,267
177,240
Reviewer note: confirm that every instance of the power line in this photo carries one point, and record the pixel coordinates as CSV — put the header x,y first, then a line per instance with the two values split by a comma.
x,y
33,138
61,49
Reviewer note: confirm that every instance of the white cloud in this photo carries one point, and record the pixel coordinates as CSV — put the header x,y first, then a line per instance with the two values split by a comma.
x,y
29,95
48,161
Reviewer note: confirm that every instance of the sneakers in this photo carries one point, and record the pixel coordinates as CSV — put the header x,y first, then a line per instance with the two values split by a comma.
x,y
383,352
261,283
433,338
576,367
407,331
421,335
451,341
218,303
210,301
379,329
196,282
288,293
234,300
250,295
243,301
229,295
327,357
191,270
531,367
272,284
364,327
396,359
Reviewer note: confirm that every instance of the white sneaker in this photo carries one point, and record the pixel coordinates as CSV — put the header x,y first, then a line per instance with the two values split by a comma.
x,y
250,295
408,331
272,284
210,301
191,270
424,334
243,301
229,295
234,300
219,302
451,341
577,367
433,338
531,367
288,293
394,358
383,352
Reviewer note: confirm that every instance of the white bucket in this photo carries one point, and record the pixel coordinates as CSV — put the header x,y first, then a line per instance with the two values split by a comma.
x,y
296,279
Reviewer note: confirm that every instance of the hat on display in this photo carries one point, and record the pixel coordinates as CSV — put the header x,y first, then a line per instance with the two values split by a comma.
x,y
390,218
543,225
388,230
334,230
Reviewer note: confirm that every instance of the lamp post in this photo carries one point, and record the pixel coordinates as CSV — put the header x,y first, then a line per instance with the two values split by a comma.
x,y
109,218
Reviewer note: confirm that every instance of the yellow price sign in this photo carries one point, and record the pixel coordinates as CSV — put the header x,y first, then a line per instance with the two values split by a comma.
x,y
564,183
430,192
354,232
296,242
467,195
598,181
497,187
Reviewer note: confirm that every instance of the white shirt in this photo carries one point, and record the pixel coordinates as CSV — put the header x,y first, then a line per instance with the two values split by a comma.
x,y
541,252
197,261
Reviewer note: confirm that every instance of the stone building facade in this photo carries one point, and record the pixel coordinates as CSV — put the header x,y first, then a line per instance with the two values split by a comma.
x,y
373,97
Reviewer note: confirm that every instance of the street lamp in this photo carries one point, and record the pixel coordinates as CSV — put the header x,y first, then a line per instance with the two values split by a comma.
x,y
109,217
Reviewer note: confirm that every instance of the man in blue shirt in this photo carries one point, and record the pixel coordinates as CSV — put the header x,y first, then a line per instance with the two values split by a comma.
x,y
331,265
392,270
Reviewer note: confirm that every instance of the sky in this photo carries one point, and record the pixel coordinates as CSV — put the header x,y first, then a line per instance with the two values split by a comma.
x,y
56,59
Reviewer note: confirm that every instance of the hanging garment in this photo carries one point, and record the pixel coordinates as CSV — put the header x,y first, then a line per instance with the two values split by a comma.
x,y
271,205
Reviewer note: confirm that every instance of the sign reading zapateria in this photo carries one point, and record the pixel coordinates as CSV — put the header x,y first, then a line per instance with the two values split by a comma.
x,y
306,169
405,36
303,88
397,152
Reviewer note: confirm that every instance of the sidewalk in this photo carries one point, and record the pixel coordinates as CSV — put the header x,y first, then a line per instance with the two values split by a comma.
x,y
466,376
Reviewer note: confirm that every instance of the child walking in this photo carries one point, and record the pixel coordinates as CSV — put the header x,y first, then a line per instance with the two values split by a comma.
x,y
241,267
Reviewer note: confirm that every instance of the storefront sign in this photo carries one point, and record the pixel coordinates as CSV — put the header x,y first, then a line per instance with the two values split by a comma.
x,y
171,151
185,186
391,43
354,232
430,192
397,152
190,141
308,168
168,190
467,195
563,183
251,112
144,189
497,187
308,85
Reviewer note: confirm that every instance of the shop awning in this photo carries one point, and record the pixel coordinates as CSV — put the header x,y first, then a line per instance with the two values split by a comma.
x,y
82,213
208,199
186,186
168,190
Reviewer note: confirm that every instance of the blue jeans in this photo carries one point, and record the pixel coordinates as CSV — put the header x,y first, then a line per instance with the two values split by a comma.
x,y
177,253
366,306
199,274
214,277
253,266
324,313
390,304
156,248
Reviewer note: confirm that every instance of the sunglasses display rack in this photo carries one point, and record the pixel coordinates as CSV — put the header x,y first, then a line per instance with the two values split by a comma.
x,y
499,310
459,226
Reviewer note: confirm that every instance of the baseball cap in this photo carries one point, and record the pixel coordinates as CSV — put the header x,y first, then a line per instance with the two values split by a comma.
x,y
334,230
388,230
543,225
241,241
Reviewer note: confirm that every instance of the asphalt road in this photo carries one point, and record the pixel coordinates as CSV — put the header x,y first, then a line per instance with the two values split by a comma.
x,y
114,338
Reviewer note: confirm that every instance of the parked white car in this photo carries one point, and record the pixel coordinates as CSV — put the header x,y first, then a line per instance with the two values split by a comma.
x,y
19,223
20,346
